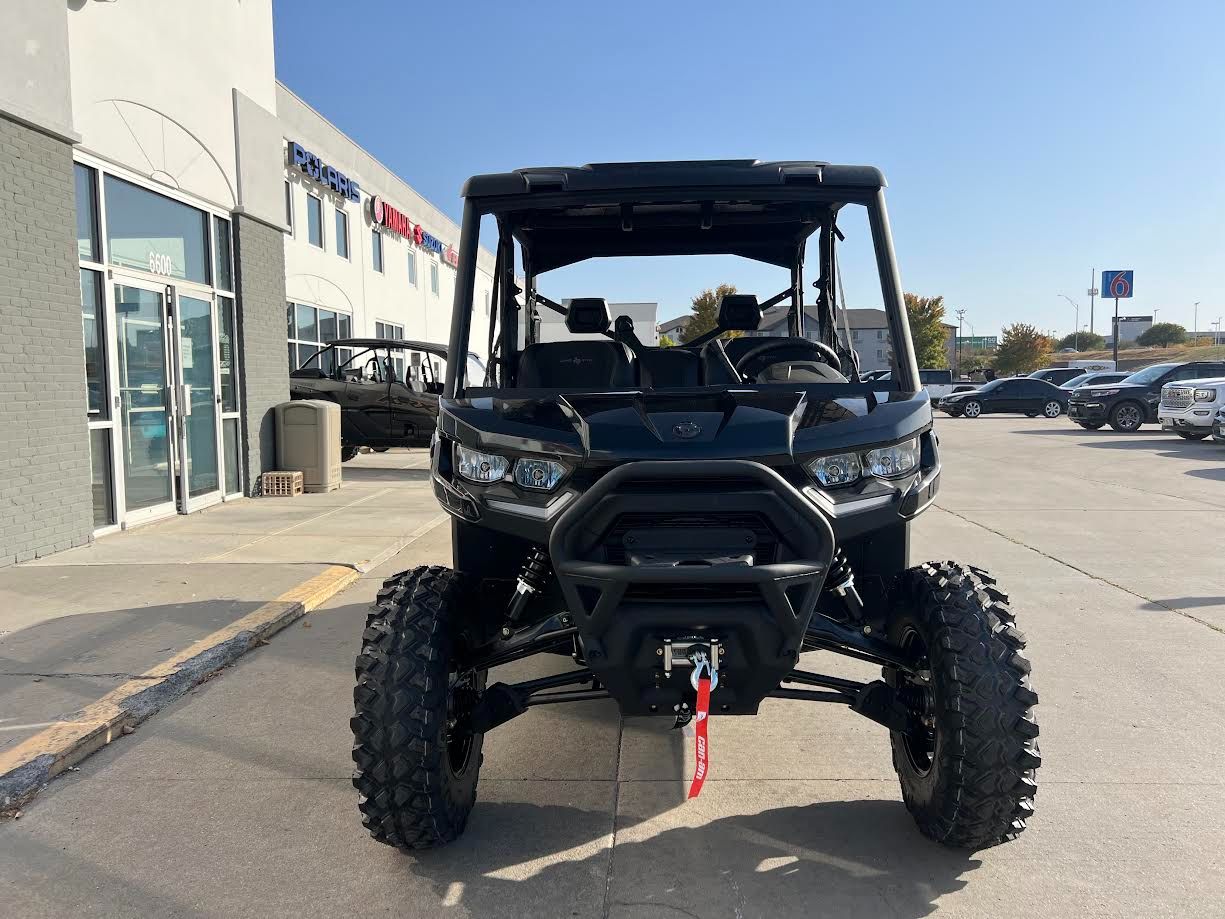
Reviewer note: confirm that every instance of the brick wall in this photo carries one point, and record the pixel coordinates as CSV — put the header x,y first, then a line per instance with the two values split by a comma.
x,y
45,498
259,258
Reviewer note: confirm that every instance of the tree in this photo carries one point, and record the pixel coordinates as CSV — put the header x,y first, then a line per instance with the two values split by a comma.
x,y
706,311
666,341
1022,349
1162,335
926,318
1084,341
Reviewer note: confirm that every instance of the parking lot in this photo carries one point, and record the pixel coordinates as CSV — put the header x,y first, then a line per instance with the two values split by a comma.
x,y
236,800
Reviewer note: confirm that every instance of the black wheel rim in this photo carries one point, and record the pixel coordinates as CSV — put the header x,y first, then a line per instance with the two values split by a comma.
x,y
915,689
1129,417
462,695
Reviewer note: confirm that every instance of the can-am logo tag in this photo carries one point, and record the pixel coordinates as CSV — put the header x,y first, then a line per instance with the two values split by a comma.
x,y
686,430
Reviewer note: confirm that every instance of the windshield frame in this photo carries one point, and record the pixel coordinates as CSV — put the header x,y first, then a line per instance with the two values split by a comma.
x,y
506,307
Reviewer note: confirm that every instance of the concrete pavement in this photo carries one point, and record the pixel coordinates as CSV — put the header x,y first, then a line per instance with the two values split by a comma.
x,y
236,800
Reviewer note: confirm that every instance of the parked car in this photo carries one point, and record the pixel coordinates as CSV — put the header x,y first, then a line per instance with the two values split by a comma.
x,y
1188,408
387,390
1218,427
1095,378
1016,395
1056,375
1128,404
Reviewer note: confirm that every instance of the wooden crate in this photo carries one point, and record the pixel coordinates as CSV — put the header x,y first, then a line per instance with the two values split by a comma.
x,y
281,484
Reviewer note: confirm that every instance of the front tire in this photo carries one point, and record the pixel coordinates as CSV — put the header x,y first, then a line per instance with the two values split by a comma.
x,y
1192,435
972,409
417,762
348,453
967,766
1127,417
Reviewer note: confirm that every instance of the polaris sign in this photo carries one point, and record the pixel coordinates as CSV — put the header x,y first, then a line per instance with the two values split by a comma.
x,y
310,165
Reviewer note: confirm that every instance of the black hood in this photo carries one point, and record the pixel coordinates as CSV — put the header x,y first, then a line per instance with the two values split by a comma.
x,y
771,424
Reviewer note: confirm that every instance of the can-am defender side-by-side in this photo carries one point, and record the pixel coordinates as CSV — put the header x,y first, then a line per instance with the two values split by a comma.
x,y
686,522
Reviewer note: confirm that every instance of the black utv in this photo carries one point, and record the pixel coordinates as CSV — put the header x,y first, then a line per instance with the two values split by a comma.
x,y
687,522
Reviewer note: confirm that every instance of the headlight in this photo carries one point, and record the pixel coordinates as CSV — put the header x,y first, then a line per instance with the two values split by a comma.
x,y
1098,393
479,467
839,469
890,462
538,474
1205,395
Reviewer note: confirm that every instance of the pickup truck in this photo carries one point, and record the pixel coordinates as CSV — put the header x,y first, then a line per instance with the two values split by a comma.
x,y
938,383
1188,408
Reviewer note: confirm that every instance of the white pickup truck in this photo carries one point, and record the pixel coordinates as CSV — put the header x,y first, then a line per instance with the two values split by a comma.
x,y
938,383
1189,407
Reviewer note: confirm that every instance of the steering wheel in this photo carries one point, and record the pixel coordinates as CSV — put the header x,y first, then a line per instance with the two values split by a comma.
x,y
783,350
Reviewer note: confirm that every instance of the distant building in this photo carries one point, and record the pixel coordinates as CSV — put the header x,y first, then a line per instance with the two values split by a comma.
x,y
553,325
675,328
869,333
1130,328
950,346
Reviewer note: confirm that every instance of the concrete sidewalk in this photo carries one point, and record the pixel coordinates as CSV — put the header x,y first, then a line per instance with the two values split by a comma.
x,y
78,625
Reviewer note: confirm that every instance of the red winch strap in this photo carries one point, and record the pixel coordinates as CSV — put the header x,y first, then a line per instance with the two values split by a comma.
x,y
702,746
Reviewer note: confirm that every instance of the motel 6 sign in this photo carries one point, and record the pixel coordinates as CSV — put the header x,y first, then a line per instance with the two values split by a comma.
x,y
1117,284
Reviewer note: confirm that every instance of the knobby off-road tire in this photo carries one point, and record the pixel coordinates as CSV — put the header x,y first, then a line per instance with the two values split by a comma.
x,y
968,774
348,453
416,764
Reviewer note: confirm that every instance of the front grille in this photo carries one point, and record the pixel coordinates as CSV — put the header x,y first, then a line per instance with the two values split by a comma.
x,y
1176,396
765,551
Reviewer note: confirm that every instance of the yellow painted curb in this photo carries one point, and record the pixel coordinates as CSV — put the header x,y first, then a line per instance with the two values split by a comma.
x,y
31,764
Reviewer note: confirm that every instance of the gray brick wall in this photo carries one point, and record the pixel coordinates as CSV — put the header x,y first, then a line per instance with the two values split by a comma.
x,y
45,498
259,258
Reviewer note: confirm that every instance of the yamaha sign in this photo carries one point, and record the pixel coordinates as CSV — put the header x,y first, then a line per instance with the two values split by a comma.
x,y
384,215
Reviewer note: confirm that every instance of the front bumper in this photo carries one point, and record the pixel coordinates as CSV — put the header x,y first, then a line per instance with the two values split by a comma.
x,y
1186,419
1088,411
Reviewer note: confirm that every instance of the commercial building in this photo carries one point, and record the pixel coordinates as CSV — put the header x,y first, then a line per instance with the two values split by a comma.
x,y
219,220
869,333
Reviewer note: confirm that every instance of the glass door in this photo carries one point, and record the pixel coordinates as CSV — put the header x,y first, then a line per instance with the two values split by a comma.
x,y
198,402
144,405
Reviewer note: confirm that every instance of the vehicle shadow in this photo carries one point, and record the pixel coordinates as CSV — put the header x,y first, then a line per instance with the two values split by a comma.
x,y
854,858
1162,606
1217,474
382,474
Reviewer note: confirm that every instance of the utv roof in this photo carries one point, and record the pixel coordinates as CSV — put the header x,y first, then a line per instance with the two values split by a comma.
x,y
678,174
393,344
562,214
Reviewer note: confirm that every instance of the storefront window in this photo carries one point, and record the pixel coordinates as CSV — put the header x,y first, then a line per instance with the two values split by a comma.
x,y
434,278
342,233
87,213
100,465
310,328
93,327
314,221
151,232
227,354
376,250
229,427
222,260
412,266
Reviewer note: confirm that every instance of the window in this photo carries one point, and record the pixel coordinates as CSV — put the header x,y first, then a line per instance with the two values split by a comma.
x,y
151,232
312,327
221,254
412,266
92,324
434,278
289,206
227,354
854,334
342,233
879,334
376,250
314,221
87,213
880,355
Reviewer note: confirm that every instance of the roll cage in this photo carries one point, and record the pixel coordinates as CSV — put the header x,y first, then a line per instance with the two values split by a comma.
x,y
766,211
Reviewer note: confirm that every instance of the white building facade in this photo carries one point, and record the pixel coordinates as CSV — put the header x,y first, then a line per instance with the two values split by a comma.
x,y
221,225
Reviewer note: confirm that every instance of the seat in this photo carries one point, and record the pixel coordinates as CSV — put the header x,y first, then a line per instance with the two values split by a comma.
x,y
672,368
583,364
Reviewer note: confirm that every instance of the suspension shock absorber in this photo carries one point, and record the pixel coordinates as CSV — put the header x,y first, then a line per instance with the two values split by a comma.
x,y
532,580
841,580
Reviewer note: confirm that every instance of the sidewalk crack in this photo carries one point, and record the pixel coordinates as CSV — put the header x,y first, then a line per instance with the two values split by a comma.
x,y
77,676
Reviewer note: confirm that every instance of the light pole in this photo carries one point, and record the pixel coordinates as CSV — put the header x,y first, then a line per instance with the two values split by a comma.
x,y
1076,327
961,315
1093,292
1195,324
1216,334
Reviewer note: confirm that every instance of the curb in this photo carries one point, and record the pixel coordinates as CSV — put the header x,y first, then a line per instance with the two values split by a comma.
x,y
27,768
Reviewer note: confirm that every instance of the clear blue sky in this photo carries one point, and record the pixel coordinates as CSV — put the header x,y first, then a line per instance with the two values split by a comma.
x,y
1024,144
